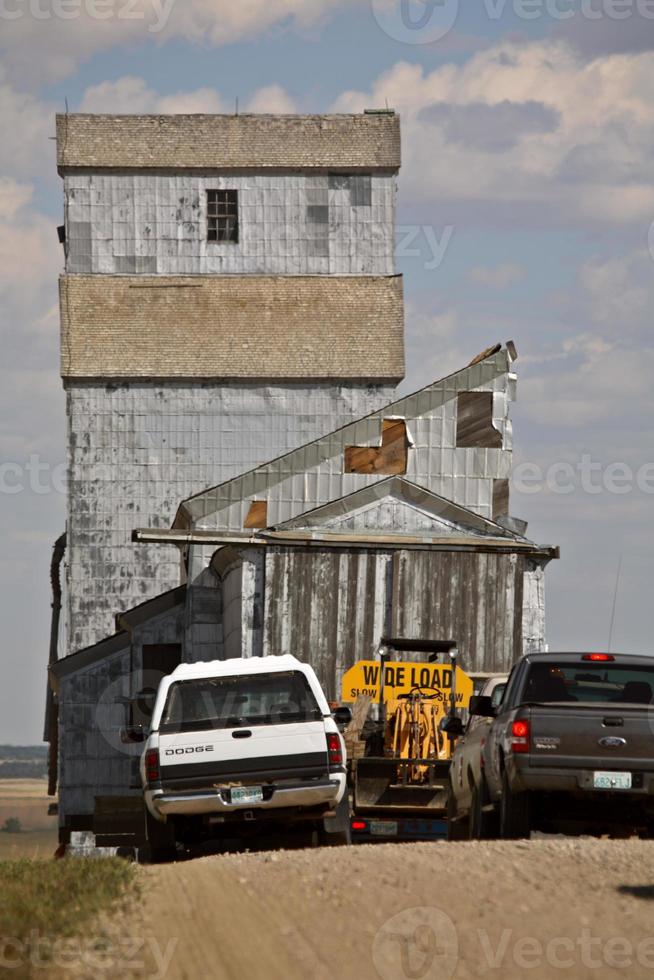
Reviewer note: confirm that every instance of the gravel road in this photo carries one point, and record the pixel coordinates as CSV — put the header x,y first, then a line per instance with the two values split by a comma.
x,y
544,908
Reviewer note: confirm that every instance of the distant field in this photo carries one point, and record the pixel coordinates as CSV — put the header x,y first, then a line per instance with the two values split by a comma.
x,y
23,761
27,800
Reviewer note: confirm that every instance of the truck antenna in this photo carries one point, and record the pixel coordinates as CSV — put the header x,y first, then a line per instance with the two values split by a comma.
x,y
615,603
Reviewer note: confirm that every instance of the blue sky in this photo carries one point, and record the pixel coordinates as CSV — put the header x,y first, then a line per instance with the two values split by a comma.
x,y
525,207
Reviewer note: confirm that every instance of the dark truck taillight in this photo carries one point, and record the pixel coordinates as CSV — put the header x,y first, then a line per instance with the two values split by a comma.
x,y
334,750
520,735
152,765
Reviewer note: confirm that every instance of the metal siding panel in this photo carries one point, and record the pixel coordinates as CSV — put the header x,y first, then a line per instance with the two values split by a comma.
x,y
469,598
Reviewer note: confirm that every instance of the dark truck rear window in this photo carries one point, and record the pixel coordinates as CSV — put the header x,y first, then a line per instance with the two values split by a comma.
x,y
239,702
589,683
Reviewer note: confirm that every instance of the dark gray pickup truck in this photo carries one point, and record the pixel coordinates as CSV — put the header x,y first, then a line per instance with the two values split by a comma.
x,y
571,746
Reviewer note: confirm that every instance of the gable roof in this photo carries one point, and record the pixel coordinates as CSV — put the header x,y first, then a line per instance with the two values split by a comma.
x,y
438,513
217,142
314,474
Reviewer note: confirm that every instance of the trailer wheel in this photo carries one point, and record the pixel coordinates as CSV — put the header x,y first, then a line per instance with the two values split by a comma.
x,y
456,829
515,813
483,824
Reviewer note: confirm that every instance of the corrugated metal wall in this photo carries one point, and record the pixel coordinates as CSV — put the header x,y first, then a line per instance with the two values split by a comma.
x,y
332,608
290,224
136,450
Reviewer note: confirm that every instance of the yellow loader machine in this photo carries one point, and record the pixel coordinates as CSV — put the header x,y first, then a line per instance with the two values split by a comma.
x,y
400,762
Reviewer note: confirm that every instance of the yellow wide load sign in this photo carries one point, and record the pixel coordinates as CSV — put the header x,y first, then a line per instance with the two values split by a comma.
x,y
403,678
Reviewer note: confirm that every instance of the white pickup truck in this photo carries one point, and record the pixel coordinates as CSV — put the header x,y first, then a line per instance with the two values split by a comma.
x,y
237,747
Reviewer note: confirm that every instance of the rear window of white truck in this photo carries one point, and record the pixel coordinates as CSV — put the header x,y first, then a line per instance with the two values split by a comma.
x,y
241,701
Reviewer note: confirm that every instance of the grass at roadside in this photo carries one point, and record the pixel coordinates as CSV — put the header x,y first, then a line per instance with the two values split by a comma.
x,y
46,901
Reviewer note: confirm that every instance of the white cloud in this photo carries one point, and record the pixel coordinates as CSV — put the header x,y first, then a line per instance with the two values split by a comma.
x,y
131,94
563,104
499,276
595,386
51,47
272,98
620,291
25,149
30,254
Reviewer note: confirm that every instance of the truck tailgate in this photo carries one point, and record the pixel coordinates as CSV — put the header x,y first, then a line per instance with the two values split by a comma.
x,y
610,738
266,753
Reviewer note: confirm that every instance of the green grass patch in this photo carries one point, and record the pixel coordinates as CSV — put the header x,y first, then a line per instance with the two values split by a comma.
x,y
46,902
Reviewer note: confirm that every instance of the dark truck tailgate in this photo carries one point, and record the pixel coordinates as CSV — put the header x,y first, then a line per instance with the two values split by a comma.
x,y
593,736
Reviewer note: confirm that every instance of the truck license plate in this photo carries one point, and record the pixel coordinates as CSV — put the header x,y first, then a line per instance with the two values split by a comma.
x,y
246,794
383,828
612,780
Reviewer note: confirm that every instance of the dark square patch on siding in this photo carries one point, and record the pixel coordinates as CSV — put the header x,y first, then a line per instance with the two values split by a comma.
x,y
361,191
500,498
318,214
474,423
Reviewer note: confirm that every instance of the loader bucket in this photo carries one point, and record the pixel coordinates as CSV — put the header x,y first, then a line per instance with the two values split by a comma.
x,y
382,784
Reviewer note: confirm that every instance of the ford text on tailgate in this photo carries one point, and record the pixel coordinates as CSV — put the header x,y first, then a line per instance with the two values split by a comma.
x,y
572,747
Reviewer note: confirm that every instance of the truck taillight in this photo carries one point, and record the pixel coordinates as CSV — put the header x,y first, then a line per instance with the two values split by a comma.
x,y
152,765
520,736
334,749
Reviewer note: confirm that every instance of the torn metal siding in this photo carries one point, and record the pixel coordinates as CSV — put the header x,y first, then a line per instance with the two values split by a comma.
x,y
473,599
136,450
157,224
314,474
329,608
